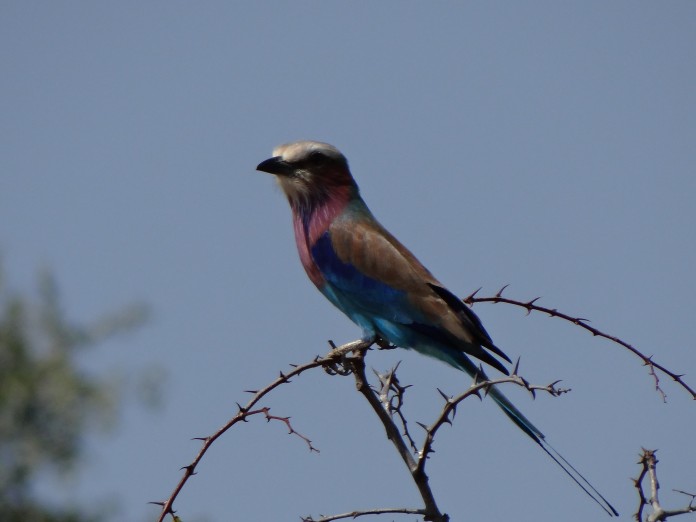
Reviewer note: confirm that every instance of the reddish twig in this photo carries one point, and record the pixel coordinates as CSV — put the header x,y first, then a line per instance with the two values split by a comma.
x,y
286,421
582,323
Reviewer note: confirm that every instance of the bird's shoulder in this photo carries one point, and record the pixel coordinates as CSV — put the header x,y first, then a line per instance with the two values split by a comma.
x,y
358,239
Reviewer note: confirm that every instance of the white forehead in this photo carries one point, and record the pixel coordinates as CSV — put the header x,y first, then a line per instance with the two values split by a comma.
x,y
298,150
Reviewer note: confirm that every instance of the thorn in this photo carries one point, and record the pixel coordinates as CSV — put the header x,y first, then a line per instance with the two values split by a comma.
x,y
157,503
468,299
517,366
500,292
241,409
482,378
253,392
294,365
422,425
477,376
525,382
477,393
202,439
444,396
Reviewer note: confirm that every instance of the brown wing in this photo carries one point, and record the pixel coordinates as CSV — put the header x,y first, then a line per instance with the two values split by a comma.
x,y
377,254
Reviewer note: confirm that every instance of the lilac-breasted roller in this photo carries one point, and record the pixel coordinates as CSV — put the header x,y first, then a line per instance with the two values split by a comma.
x,y
378,283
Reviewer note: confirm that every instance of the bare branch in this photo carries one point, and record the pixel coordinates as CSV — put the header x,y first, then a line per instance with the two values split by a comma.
x,y
431,512
391,395
648,460
531,305
356,514
449,409
286,421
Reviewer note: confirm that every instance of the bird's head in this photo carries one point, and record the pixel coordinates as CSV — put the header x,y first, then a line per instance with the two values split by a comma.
x,y
309,172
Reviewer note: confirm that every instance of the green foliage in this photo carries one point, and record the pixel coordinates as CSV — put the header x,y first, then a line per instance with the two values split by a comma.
x,y
47,402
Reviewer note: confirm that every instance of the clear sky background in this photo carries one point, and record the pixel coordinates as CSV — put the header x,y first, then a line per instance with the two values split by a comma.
x,y
548,145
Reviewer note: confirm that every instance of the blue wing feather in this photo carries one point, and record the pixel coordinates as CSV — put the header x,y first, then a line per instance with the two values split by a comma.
x,y
359,296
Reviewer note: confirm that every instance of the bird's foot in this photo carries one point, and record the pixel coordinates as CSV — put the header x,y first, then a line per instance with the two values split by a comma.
x,y
383,344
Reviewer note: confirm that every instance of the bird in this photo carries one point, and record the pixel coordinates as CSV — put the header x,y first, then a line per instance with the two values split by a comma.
x,y
363,270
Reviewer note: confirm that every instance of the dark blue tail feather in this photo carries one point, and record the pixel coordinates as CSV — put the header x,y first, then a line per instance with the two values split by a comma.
x,y
537,436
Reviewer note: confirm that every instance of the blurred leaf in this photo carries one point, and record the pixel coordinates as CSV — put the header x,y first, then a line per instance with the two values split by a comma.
x,y
47,402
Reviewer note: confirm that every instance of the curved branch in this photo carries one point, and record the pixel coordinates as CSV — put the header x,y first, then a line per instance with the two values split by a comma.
x,y
531,306
332,358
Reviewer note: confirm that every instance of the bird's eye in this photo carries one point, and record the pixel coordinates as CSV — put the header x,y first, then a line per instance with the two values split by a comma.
x,y
317,158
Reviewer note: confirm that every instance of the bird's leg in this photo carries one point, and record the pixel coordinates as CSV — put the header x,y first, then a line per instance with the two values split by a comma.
x,y
339,367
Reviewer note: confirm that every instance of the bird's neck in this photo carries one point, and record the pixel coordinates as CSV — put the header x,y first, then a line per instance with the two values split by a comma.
x,y
313,218
311,221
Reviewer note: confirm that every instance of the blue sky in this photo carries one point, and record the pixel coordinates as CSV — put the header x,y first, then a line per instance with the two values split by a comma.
x,y
548,145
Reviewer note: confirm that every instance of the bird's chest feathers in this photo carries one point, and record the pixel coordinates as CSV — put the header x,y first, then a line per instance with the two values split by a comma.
x,y
309,227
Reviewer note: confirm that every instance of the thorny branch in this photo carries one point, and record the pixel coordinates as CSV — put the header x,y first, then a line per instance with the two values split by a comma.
x,y
391,395
244,412
388,399
450,409
431,511
386,402
356,514
582,323
649,461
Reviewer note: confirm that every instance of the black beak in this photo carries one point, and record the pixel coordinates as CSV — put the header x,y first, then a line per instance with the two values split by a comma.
x,y
277,166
